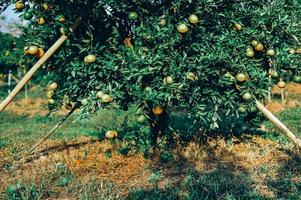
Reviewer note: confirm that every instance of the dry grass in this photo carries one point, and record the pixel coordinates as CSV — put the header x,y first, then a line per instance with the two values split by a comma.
x,y
258,159
88,158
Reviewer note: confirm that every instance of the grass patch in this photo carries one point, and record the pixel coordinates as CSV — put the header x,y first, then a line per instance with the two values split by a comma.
x,y
20,128
291,118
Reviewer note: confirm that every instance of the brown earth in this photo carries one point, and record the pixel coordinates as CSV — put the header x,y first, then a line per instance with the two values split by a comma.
x,y
86,158
33,106
290,88
292,98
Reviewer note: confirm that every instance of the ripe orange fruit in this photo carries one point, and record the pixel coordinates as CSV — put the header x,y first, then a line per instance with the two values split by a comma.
x,y
40,53
77,162
60,18
259,47
158,110
41,21
19,5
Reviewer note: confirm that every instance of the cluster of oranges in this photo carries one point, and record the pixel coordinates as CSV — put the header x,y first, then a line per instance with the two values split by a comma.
x,y
50,92
183,28
34,51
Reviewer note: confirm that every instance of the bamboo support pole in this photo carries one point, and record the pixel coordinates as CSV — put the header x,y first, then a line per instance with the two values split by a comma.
x,y
9,81
269,89
46,136
35,68
32,71
278,123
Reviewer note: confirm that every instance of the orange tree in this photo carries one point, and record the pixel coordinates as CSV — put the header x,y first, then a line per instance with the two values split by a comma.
x,y
207,59
11,51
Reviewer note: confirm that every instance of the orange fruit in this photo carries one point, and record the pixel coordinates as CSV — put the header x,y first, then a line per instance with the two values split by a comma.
x,y
158,110
40,53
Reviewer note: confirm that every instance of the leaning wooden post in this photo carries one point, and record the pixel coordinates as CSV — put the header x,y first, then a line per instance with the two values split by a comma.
x,y
35,68
45,137
278,123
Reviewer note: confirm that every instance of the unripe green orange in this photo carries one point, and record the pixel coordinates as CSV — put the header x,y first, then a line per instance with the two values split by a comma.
x,y
240,77
182,28
193,19
90,59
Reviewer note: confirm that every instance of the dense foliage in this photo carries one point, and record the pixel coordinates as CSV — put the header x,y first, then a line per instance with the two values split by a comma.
x,y
11,52
208,59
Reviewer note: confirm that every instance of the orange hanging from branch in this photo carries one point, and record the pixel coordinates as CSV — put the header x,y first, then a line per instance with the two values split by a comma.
x,y
127,42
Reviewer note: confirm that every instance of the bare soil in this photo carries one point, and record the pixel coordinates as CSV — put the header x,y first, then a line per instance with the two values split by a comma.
x,y
87,157
292,93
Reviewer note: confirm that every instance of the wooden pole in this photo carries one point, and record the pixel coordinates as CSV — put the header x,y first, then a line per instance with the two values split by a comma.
x,y
33,70
26,88
269,89
46,136
9,81
282,95
278,123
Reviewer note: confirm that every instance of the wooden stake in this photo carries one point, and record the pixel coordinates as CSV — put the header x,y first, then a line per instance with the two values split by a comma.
x,y
35,68
9,81
278,123
282,95
32,71
269,89
46,136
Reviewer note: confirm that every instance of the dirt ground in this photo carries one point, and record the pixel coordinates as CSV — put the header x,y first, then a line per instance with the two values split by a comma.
x,y
86,157
292,93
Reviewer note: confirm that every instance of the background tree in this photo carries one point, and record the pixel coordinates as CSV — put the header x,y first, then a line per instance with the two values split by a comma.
x,y
207,59
11,51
